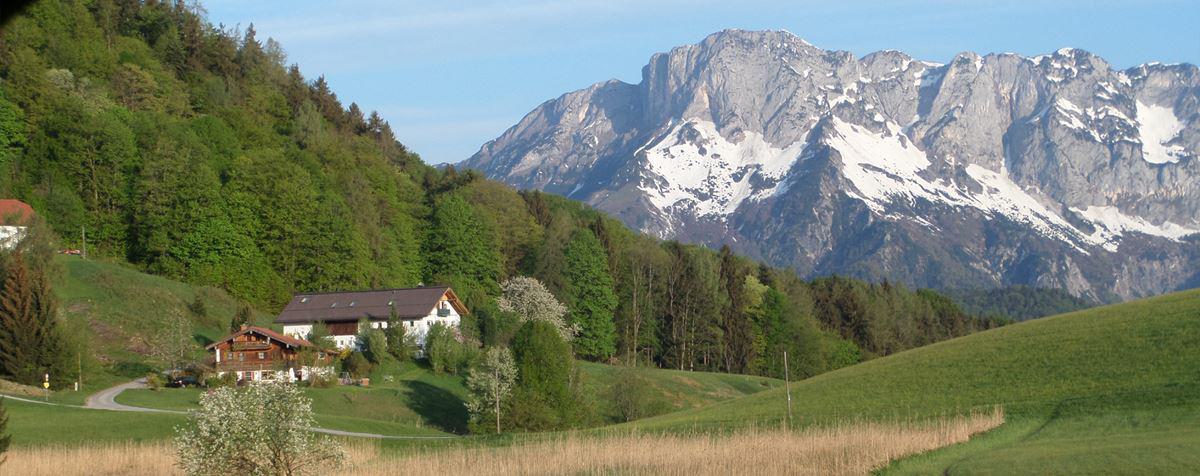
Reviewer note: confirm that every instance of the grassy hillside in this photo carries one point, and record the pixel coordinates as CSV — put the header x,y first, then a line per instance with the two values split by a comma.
x,y
118,309
409,399
1104,389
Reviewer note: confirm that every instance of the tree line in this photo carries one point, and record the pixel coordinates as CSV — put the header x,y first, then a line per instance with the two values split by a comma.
x,y
197,152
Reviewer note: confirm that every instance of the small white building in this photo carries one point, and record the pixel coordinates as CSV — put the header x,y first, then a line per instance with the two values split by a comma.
x,y
15,215
417,308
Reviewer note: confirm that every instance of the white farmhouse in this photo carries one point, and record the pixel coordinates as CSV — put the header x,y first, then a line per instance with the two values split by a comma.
x,y
418,308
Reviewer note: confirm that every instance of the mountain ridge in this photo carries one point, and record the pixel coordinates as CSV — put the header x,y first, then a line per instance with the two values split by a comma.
x,y
1057,166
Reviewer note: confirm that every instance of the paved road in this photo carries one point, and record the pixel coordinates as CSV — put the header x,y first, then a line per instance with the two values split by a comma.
x,y
106,400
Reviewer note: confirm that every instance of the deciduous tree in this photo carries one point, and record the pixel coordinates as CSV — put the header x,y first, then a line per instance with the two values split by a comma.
x,y
490,381
589,296
532,302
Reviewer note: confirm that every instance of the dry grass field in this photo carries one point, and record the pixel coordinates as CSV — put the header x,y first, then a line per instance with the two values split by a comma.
x,y
843,449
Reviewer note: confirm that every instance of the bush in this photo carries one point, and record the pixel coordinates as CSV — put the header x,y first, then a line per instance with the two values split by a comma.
x,y
357,365
401,344
449,352
632,396
374,345
229,379
321,380
155,381
260,429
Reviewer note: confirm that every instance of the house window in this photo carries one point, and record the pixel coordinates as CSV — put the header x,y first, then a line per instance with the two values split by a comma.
x,y
304,299
241,356
262,355
334,304
352,303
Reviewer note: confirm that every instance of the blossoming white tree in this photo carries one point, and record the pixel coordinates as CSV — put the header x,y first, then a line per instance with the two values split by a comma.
x,y
490,381
529,299
263,429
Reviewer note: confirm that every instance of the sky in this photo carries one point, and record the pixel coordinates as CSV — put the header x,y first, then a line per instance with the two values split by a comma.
x,y
451,75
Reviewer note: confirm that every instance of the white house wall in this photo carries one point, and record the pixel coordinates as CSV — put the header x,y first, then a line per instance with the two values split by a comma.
x,y
418,327
10,236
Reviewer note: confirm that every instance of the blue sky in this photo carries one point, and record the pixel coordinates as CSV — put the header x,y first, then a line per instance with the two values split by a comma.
x,y
450,75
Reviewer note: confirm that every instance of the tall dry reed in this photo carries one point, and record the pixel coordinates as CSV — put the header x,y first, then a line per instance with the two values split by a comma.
x,y
842,449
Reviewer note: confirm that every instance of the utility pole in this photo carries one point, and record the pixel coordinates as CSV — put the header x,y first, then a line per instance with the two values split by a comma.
x,y
787,385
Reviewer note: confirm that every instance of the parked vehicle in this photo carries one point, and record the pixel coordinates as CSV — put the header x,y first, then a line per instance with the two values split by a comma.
x,y
183,381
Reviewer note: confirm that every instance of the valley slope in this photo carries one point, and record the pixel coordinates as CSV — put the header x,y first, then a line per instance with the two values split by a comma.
x,y
1051,171
1109,389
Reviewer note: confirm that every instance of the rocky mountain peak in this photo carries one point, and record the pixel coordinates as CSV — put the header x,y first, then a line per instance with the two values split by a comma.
x,y
1050,170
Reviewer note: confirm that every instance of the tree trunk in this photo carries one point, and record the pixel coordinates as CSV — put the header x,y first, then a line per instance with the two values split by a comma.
x,y
496,395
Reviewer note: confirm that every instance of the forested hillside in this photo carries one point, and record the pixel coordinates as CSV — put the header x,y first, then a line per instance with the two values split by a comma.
x,y
1018,302
197,153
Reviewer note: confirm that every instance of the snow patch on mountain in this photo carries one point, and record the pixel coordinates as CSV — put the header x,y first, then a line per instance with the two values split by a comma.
x,y
883,168
1157,126
694,167
1003,196
1111,224
886,168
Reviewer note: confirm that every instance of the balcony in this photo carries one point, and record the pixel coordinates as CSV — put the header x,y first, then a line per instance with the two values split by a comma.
x,y
238,366
250,346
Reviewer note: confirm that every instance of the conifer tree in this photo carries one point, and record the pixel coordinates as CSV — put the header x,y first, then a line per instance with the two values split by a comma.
x,y
5,439
243,317
589,296
29,341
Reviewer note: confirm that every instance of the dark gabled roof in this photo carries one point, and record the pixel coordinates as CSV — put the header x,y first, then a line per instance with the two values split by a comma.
x,y
409,303
286,340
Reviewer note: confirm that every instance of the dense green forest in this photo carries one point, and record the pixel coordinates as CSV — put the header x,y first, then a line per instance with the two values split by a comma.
x,y
198,153
1018,303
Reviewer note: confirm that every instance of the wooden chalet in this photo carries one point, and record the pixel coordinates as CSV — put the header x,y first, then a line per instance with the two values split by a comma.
x,y
258,353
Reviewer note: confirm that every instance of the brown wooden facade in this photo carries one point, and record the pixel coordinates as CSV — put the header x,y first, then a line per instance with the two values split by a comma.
x,y
255,353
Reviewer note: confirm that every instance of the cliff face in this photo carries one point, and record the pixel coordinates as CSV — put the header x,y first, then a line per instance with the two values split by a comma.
x,y
1053,171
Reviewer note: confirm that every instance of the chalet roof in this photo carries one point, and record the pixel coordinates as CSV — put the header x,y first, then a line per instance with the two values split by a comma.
x,y
263,331
409,303
14,212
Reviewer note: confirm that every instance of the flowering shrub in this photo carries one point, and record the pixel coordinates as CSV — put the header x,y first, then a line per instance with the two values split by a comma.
x,y
261,429
529,299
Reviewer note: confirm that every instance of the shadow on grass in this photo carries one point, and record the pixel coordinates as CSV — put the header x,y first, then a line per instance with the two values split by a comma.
x,y
436,406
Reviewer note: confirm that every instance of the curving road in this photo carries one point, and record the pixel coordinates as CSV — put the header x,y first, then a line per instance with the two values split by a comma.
x,y
107,400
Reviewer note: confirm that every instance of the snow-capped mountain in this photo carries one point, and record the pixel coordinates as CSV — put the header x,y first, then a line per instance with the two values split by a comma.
x,y
1053,170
